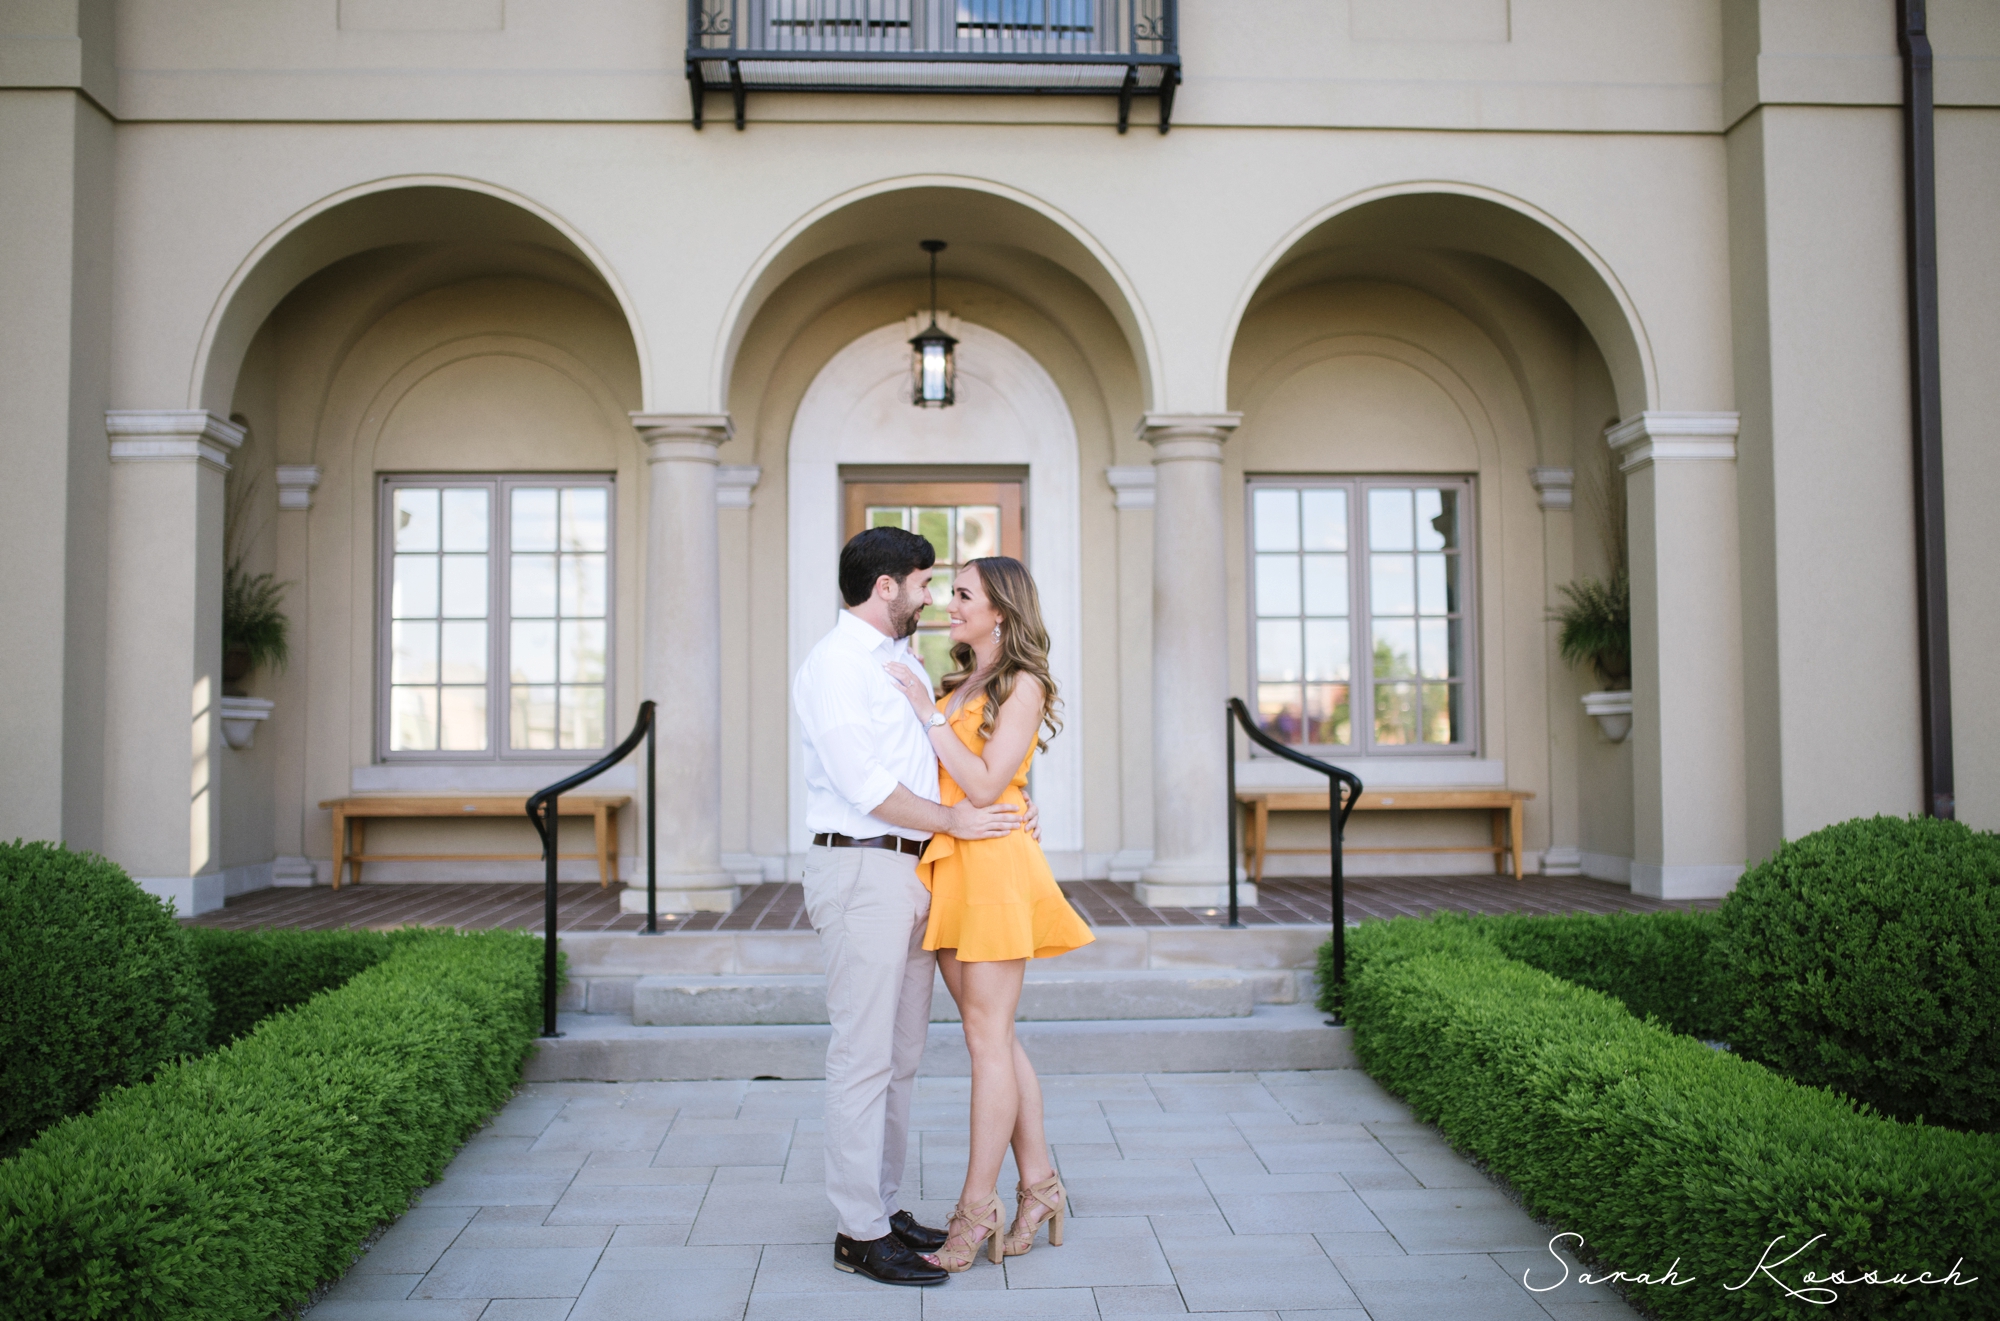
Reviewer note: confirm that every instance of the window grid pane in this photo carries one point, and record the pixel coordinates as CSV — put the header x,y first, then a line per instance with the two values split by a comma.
x,y
1390,551
438,578
441,627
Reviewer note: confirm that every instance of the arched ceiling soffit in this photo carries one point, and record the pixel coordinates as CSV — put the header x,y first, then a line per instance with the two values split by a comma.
x,y
881,225
1527,323
383,214
1455,218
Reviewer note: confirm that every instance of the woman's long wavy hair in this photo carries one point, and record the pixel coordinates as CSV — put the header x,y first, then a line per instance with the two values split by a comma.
x,y
1024,646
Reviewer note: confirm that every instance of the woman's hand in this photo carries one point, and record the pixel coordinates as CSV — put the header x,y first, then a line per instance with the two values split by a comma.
x,y
917,689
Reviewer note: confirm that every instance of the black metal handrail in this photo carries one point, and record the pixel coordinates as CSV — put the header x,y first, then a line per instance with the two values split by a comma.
x,y
1122,48
1338,810
542,814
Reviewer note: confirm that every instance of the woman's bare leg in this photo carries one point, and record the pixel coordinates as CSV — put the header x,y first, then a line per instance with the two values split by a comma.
x,y
988,993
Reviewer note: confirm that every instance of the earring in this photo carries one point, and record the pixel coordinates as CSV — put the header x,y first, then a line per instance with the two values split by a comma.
x,y
996,632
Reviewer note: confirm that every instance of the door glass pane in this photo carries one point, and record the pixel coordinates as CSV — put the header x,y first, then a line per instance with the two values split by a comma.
x,y
978,532
887,516
1278,650
1277,584
585,518
934,526
1390,519
532,518
1328,719
1275,517
414,510
934,649
938,611
465,520
462,719
1323,512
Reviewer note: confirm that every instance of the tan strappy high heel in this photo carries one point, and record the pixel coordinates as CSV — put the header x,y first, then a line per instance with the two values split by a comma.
x,y
1050,1194
963,1235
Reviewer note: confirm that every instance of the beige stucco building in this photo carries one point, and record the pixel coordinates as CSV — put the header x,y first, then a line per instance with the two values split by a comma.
x,y
544,401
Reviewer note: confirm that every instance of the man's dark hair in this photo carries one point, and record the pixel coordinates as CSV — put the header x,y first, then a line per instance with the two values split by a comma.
x,y
880,550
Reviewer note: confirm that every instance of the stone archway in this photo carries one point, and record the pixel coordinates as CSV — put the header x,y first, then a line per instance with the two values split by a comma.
x,y
1009,412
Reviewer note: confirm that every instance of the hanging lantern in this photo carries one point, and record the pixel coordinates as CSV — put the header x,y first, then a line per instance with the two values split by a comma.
x,y
932,365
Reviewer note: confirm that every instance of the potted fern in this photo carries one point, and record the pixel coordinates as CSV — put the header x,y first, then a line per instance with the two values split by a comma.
x,y
255,630
1595,620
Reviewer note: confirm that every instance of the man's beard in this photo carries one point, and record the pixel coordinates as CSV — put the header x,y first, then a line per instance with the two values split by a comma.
x,y
905,619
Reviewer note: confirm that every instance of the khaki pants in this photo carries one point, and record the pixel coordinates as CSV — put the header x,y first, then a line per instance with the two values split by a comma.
x,y
870,910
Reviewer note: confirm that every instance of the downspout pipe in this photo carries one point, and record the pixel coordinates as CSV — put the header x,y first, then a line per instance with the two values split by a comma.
x,y
1926,395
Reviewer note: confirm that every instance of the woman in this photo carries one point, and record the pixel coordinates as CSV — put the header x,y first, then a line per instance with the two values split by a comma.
x,y
994,902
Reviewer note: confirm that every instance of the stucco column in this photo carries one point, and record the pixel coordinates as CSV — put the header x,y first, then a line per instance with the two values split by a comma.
x,y
1555,491
683,661
1687,652
1190,664
1132,492
163,652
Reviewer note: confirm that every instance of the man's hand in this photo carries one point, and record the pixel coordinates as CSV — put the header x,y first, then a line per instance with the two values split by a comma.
x,y
1032,822
969,822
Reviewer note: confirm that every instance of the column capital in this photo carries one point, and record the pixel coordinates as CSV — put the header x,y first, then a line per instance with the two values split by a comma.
x,y
687,437
1178,436
1131,488
1648,438
733,484
171,433
296,483
1556,487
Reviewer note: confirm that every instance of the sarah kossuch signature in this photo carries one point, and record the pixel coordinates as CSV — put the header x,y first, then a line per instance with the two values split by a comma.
x,y
1813,1287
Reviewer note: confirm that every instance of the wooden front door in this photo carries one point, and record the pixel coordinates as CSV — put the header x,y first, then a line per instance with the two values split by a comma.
x,y
962,520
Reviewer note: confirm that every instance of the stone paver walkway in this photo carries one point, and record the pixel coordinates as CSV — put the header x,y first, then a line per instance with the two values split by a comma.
x,y
1238,1196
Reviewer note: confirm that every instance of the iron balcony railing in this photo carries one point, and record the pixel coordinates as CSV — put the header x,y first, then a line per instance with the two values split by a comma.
x,y
1121,48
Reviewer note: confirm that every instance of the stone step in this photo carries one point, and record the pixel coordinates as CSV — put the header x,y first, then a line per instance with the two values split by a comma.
x,y
605,966
1050,993
603,1048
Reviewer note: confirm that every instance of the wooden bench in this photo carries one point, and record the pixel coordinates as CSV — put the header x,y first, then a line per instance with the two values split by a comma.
x,y
351,815
1503,805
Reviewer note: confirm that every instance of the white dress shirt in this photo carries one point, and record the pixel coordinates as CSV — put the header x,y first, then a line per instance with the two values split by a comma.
x,y
862,738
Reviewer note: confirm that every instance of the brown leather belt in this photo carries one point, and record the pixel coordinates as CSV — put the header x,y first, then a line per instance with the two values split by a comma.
x,y
913,847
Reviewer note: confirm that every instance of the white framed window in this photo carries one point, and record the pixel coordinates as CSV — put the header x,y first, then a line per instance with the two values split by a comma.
x,y
494,622
1360,613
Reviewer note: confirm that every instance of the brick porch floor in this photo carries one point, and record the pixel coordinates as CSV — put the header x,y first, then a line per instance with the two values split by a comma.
x,y
779,906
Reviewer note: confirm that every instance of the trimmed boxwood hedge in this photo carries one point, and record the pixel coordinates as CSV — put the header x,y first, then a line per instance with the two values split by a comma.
x,y
231,1185
100,987
1866,957
1656,1148
251,975
1657,964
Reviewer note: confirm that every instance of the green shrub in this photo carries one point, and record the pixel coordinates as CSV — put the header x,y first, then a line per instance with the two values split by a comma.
x,y
1656,1148
1866,957
230,1185
251,975
1657,964
99,987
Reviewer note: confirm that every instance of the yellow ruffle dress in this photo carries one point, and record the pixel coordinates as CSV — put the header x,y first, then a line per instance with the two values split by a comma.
x,y
994,899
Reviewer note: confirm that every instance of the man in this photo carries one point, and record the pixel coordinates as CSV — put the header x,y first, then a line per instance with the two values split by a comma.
x,y
871,802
